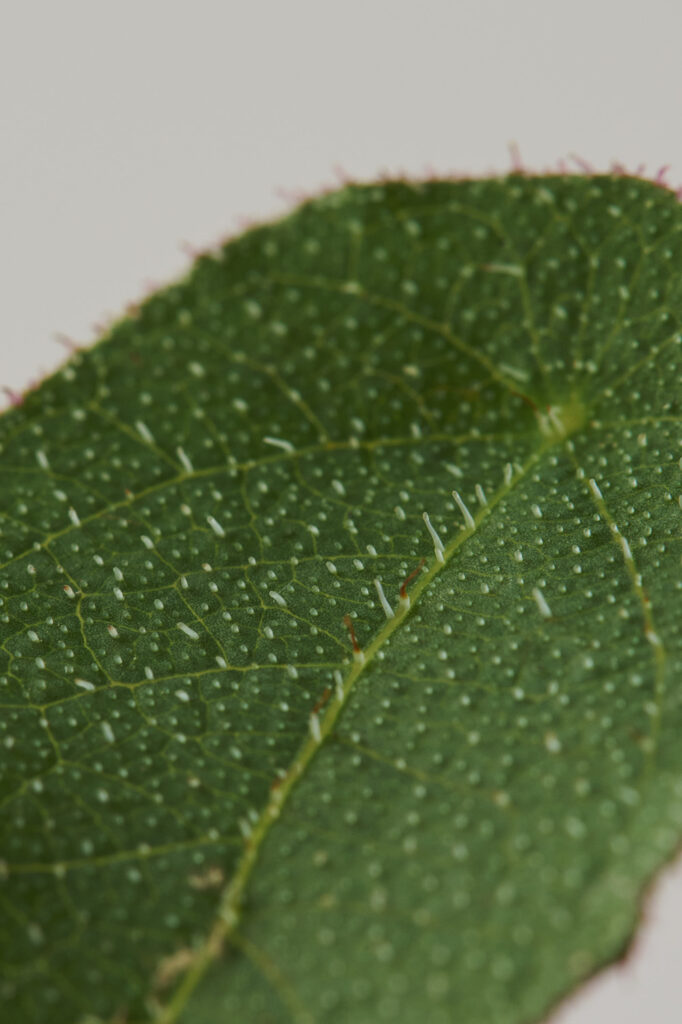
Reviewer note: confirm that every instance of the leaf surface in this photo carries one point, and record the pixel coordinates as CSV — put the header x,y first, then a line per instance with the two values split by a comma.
x,y
212,808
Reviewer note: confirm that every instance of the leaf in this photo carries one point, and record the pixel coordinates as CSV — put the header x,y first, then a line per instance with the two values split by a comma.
x,y
212,809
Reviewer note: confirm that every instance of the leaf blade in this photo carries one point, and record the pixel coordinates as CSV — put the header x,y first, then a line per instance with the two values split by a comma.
x,y
235,469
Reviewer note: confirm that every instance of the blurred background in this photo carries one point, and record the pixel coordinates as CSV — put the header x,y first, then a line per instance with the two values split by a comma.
x,y
134,133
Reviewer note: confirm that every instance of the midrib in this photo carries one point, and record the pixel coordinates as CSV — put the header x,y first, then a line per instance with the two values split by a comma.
x,y
232,895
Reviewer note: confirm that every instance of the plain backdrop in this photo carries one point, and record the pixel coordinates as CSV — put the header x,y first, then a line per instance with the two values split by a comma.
x,y
130,129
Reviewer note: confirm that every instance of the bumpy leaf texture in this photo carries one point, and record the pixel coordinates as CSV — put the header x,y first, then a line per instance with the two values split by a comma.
x,y
213,808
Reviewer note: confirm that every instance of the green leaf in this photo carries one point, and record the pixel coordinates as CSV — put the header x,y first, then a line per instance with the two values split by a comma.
x,y
212,809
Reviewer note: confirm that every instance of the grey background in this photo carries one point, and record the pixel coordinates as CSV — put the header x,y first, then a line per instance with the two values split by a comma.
x,y
129,128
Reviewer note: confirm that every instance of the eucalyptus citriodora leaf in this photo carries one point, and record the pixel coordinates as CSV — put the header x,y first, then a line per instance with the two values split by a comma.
x,y
213,807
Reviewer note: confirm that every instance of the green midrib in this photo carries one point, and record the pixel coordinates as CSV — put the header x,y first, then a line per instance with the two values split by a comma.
x,y
229,912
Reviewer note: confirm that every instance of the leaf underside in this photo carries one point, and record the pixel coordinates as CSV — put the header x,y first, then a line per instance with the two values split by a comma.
x,y
211,809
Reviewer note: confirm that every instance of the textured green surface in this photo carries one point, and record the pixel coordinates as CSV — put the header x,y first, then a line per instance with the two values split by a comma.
x,y
189,510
